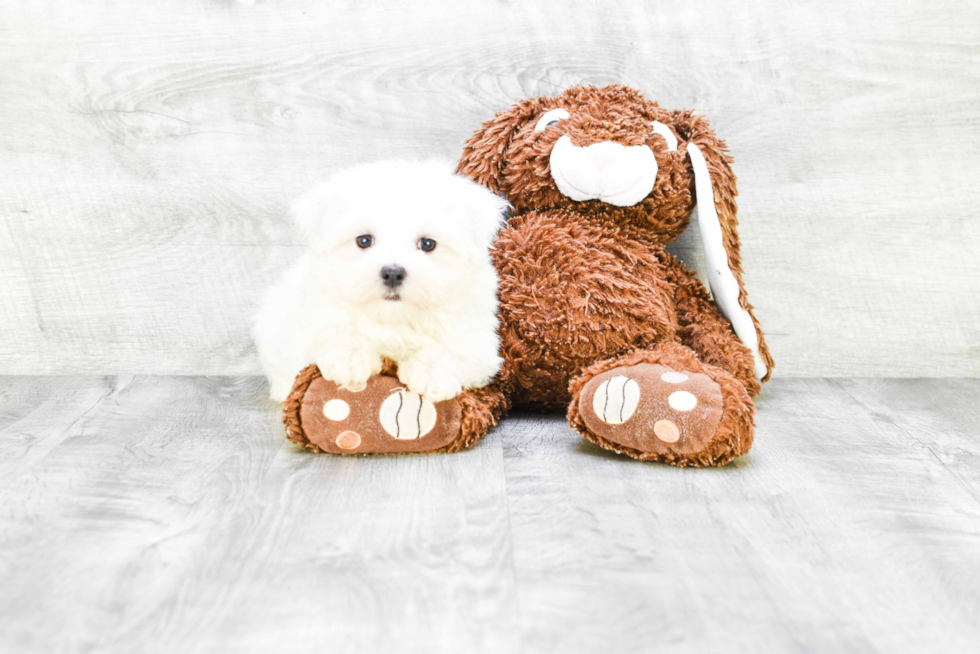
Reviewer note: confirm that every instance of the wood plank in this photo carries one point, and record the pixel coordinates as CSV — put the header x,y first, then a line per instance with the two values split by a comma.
x,y
373,555
174,516
939,416
149,152
37,414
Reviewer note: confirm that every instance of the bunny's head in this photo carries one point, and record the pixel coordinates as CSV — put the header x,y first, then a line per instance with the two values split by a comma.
x,y
611,153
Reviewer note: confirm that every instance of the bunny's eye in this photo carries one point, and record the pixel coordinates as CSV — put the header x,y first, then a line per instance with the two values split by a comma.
x,y
365,241
550,118
427,244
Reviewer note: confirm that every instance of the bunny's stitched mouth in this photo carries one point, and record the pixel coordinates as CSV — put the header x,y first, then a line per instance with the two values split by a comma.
x,y
607,171
566,182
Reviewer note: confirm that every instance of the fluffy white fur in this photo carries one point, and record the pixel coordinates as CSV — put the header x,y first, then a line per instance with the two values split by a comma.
x,y
333,309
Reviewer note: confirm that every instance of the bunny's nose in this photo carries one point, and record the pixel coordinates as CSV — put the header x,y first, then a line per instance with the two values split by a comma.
x,y
602,155
393,276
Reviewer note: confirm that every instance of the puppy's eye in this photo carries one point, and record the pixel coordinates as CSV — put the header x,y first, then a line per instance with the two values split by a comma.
x,y
427,244
365,241
550,118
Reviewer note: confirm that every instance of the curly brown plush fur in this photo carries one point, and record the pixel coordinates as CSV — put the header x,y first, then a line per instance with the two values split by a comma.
x,y
480,411
733,436
587,286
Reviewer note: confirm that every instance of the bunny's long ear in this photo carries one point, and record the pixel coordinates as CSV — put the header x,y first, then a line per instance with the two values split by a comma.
x,y
714,185
483,153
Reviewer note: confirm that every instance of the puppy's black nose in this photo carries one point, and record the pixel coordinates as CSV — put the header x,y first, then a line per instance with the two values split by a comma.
x,y
393,275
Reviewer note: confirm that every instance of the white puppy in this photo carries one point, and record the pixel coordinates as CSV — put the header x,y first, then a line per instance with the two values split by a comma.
x,y
398,267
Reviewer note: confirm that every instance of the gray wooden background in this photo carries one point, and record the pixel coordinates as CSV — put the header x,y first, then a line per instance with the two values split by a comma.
x,y
148,152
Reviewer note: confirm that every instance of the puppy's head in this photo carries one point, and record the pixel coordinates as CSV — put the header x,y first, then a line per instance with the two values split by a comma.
x,y
398,236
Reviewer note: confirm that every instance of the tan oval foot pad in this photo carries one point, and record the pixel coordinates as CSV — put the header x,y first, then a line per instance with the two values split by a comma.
x,y
652,408
381,418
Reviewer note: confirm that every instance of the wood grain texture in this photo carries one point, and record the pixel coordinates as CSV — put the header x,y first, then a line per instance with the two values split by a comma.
x,y
839,532
169,514
174,516
148,153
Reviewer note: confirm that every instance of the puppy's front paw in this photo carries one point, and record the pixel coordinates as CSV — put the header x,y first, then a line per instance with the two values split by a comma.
x,y
350,367
433,382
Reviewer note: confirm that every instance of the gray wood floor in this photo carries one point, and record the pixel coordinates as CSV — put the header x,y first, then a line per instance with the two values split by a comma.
x,y
169,514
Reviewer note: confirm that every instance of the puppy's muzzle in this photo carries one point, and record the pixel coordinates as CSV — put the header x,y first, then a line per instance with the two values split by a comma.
x,y
393,276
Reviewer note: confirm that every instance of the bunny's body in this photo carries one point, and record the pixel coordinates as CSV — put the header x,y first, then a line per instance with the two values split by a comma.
x,y
567,304
596,316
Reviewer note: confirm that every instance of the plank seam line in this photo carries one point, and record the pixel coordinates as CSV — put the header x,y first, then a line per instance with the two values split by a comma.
x,y
911,436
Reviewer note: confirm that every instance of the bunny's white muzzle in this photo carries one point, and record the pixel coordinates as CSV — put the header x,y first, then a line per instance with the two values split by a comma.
x,y
607,171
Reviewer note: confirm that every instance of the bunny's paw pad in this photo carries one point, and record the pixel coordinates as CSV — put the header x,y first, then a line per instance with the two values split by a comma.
x,y
379,417
651,408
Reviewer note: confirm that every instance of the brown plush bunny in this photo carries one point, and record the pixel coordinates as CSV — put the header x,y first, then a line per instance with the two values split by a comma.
x,y
596,317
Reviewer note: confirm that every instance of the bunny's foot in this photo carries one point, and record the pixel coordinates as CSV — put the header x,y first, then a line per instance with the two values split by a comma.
x,y
383,417
663,405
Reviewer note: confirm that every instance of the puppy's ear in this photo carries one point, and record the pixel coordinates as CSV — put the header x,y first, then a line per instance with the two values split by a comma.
x,y
714,185
316,213
483,154
487,216
481,213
